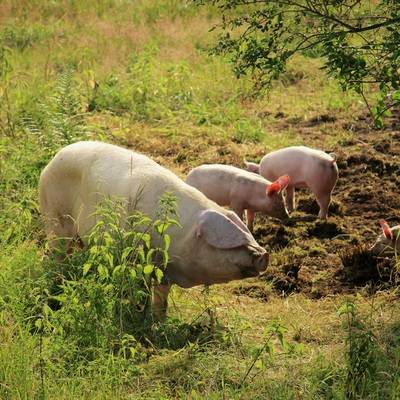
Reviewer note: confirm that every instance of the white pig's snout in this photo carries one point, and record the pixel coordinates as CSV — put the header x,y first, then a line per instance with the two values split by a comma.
x,y
262,262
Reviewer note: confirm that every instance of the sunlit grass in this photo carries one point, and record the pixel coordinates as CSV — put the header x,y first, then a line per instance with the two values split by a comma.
x,y
141,77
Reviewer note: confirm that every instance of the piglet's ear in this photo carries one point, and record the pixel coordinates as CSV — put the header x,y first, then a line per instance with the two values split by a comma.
x,y
280,184
386,229
219,231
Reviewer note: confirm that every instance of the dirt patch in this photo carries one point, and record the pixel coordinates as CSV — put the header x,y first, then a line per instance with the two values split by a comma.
x,y
309,205
325,229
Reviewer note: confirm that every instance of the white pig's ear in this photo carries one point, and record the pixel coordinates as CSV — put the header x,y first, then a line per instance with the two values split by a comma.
x,y
219,231
233,217
280,184
386,229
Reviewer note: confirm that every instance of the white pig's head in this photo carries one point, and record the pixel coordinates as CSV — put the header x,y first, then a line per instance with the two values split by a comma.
x,y
276,205
219,249
388,241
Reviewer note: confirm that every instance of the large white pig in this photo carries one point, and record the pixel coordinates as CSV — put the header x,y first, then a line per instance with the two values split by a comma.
x,y
306,167
241,190
388,242
212,246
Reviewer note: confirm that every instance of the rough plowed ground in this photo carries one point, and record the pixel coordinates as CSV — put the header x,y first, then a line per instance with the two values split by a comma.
x,y
322,258
315,257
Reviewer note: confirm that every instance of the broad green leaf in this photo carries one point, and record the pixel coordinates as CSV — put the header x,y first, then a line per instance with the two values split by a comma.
x,y
148,269
147,240
126,253
159,275
102,271
167,241
117,270
110,258
86,268
149,256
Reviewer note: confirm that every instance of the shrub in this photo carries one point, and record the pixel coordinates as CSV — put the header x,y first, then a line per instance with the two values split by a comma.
x,y
98,300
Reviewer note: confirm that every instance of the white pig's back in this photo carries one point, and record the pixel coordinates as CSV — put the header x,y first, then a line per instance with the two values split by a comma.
x,y
214,181
81,174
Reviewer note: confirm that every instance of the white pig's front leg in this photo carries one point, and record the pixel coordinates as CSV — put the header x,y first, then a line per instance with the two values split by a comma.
x,y
160,300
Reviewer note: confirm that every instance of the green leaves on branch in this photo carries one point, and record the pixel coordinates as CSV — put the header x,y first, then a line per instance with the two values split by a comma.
x,y
358,42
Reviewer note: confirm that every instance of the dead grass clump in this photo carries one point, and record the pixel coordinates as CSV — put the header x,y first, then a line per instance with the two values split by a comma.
x,y
284,273
259,290
360,267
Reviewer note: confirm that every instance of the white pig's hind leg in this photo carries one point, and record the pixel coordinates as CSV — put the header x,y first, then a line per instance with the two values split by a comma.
x,y
323,201
290,198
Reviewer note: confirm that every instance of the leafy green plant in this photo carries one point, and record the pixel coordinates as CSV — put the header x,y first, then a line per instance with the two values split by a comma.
x,y
245,131
59,119
361,356
148,89
89,314
264,354
109,94
98,300
65,113
22,37
7,123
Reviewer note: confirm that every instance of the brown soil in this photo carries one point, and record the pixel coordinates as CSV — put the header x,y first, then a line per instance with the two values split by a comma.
x,y
315,257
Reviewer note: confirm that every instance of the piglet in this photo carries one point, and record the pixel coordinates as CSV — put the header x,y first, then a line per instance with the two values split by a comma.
x,y
306,167
241,190
388,241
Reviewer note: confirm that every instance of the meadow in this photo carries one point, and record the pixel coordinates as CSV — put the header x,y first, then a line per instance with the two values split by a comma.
x,y
322,323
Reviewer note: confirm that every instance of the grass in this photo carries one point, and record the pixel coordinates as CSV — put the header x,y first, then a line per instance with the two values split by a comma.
x,y
138,74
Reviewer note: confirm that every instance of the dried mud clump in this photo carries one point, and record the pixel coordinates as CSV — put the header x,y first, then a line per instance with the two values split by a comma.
x,y
325,229
360,267
276,237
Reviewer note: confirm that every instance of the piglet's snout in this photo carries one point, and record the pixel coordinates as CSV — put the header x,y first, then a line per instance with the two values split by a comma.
x,y
261,262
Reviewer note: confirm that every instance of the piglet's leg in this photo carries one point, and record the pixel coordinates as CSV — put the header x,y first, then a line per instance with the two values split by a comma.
x,y
160,300
290,199
250,219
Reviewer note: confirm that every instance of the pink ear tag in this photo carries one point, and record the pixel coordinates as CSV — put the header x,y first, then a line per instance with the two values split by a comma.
x,y
273,188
